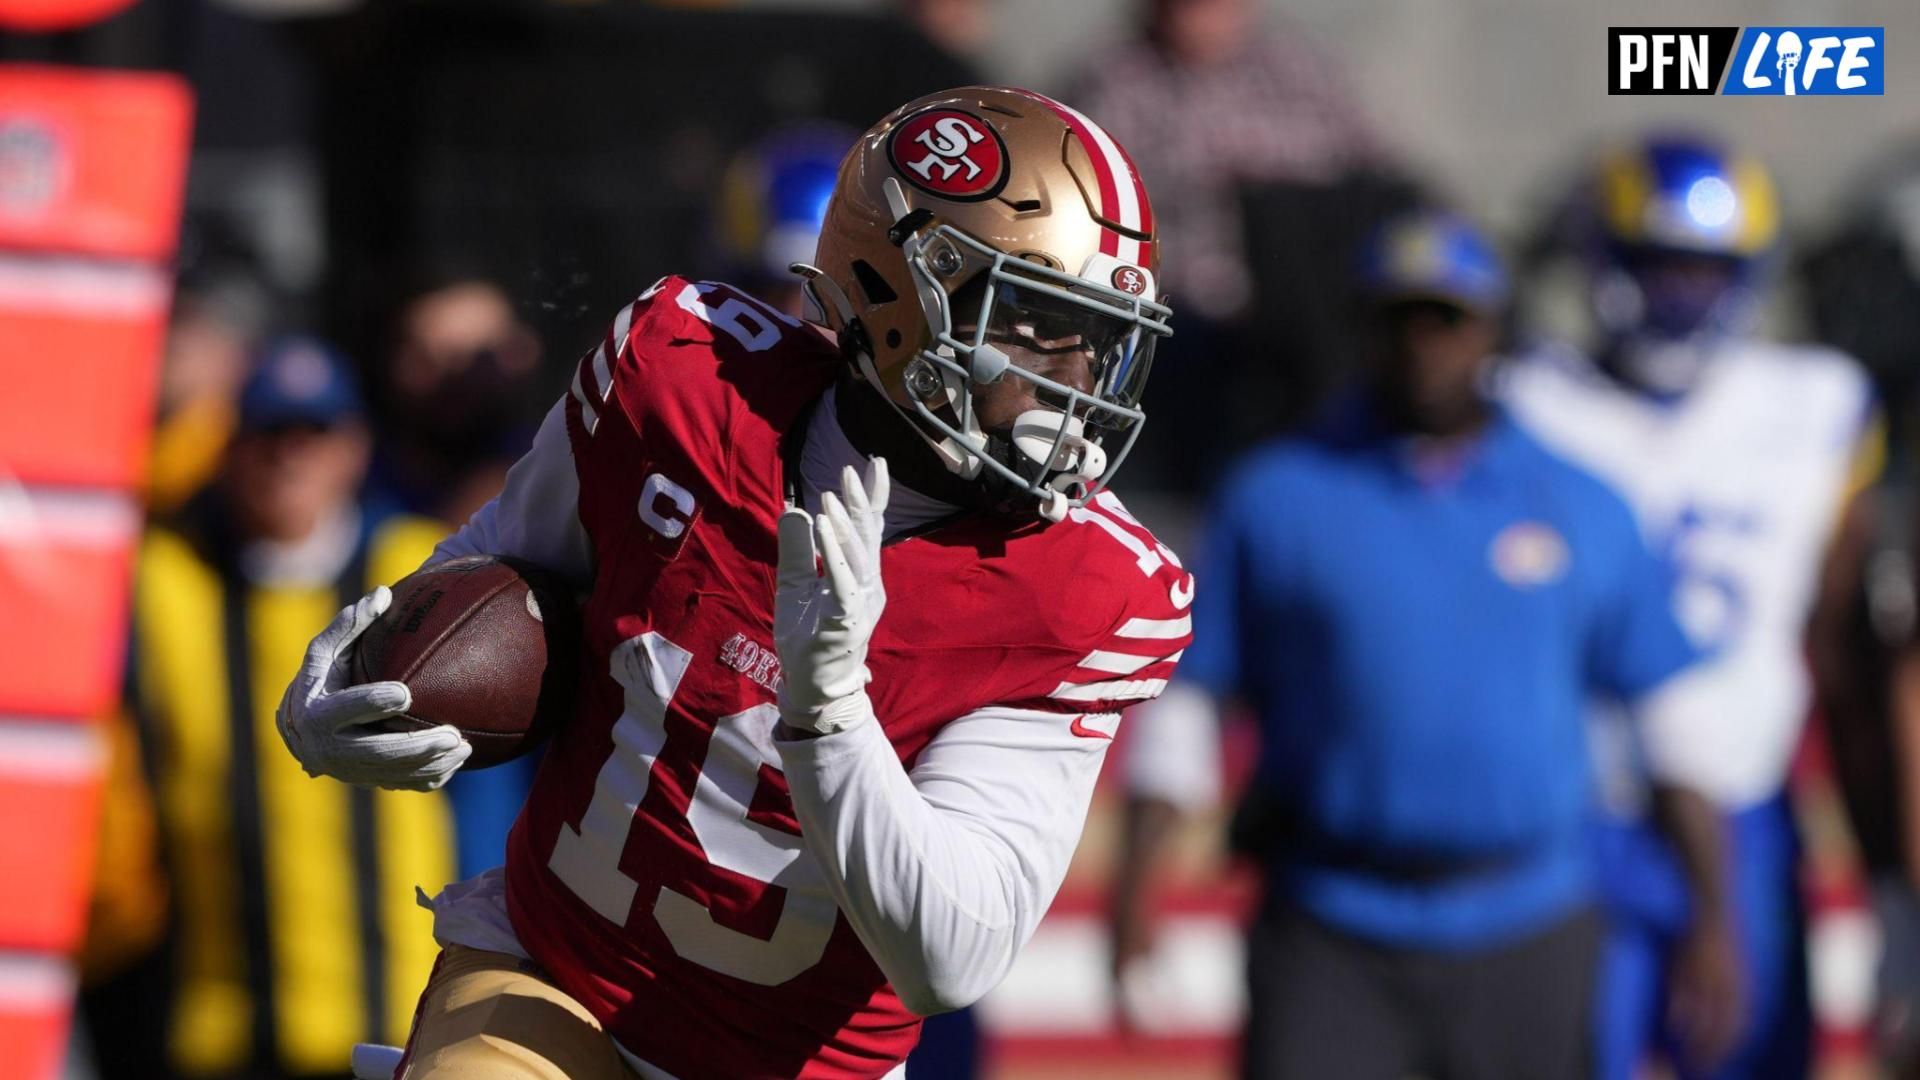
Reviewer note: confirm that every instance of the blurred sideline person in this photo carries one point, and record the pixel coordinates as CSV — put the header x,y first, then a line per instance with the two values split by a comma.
x,y
218,311
452,394
1247,105
1213,105
963,29
459,371
1896,872
1863,292
1742,460
1415,599
293,929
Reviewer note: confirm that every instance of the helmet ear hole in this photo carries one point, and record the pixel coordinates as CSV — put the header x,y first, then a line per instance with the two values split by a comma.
x,y
893,339
875,286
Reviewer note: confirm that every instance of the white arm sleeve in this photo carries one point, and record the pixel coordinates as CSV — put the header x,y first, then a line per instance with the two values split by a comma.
x,y
944,872
1173,749
536,516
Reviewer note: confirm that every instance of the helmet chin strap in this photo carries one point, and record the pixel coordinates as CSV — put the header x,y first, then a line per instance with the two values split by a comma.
x,y
1049,448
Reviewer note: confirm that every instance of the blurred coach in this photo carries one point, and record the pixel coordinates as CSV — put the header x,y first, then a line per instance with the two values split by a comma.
x,y
293,929
1416,599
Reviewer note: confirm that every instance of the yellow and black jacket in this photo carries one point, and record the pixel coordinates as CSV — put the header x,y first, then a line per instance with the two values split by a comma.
x,y
293,931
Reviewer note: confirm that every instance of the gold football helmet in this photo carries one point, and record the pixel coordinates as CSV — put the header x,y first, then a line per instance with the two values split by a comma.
x,y
979,215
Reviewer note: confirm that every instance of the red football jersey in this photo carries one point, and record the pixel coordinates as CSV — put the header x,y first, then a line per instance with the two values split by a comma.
x,y
657,871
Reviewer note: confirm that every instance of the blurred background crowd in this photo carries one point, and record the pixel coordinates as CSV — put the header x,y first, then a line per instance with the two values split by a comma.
x,y
405,219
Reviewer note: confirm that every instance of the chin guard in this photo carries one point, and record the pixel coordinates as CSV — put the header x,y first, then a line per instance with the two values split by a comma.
x,y
1054,460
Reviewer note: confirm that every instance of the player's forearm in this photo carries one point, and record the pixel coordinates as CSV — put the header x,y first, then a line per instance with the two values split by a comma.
x,y
942,894
1840,672
1905,724
1150,822
1693,825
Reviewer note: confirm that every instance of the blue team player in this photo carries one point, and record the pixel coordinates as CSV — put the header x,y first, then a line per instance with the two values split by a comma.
x,y
1416,599
1742,459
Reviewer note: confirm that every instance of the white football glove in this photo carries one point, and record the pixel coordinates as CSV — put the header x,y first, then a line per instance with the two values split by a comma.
x,y
323,719
822,622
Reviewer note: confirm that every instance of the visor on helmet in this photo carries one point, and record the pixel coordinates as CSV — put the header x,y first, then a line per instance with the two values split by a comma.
x,y
1046,324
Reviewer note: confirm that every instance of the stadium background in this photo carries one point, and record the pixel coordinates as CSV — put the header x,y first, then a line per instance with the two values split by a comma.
x,y
572,151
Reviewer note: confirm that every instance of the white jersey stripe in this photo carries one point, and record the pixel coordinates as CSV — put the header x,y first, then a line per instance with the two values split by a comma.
x,y
1116,690
588,417
621,324
1156,628
601,374
1117,663
1126,185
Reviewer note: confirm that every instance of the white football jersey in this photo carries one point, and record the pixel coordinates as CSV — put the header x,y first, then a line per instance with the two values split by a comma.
x,y
1740,483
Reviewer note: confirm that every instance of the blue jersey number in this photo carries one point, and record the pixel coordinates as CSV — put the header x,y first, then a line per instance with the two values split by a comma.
x,y
1711,596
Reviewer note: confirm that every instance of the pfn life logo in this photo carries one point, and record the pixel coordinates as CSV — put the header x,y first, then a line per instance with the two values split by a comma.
x,y
1790,61
1809,60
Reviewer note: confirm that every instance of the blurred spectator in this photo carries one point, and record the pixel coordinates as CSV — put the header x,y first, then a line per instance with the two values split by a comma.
x,y
1894,863
453,390
1208,102
1416,600
1743,460
216,321
963,29
293,931
1864,288
460,368
1217,112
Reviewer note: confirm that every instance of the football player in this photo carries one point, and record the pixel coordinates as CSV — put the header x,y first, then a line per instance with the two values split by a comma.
x,y
782,827
1739,457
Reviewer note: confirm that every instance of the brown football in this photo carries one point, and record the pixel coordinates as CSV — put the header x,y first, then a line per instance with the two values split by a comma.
x,y
488,645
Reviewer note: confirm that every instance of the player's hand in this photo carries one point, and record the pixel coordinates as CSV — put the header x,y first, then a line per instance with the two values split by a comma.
x,y
334,729
823,621
1706,994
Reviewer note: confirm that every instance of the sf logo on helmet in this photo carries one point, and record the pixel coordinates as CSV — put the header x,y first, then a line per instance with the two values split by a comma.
x,y
948,149
949,153
1130,280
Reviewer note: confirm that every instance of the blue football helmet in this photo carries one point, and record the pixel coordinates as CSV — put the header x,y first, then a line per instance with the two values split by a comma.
x,y
773,198
1684,233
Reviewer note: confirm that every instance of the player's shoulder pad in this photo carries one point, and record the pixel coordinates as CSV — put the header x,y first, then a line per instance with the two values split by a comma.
x,y
1123,620
1800,363
1824,384
677,336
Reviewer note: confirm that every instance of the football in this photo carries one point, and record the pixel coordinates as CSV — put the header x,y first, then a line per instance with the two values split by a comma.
x,y
488,645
